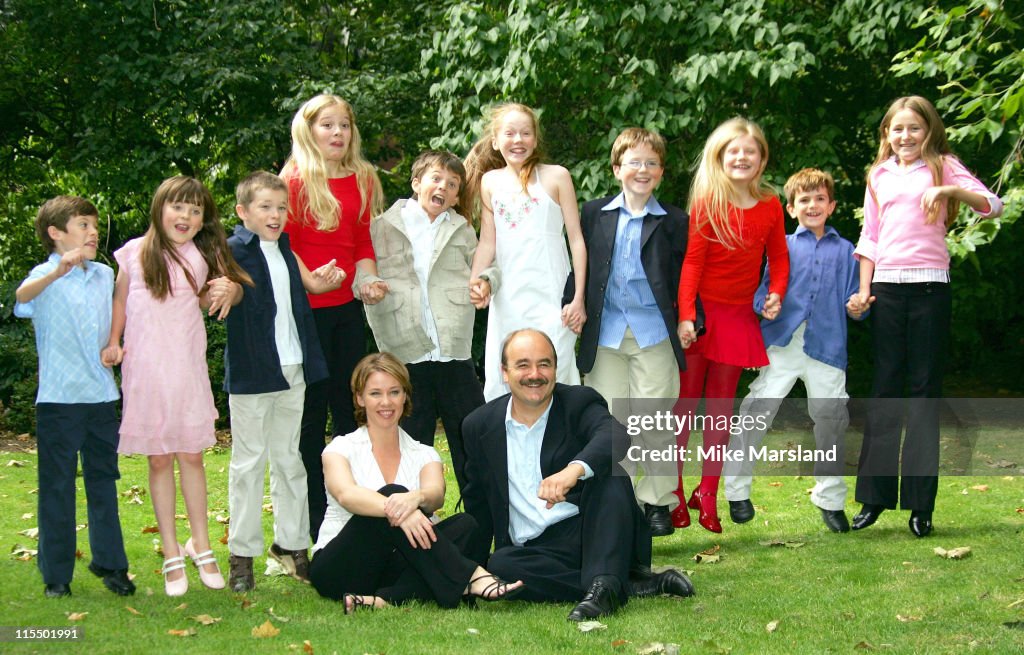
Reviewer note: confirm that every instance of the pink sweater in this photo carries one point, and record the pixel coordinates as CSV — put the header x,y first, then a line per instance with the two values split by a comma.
x,y
895,235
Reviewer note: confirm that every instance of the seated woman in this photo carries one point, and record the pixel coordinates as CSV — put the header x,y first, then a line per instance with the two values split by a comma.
x,y
377,545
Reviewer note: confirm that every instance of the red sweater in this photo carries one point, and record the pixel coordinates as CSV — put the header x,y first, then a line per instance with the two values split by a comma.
x,y
732,276
348,243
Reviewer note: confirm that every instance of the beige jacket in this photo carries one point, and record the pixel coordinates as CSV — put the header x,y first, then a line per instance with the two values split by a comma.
x,y
397,321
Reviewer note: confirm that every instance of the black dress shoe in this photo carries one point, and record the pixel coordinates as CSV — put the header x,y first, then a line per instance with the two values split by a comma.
x,y
741,511
835,520
602,598
670,582
867,516
660,520
921,523
116,580
57,590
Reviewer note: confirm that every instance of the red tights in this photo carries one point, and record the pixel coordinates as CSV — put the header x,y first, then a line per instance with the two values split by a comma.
x,y
717,383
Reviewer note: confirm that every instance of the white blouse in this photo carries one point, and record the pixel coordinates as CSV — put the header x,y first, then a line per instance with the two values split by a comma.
x,y
358,450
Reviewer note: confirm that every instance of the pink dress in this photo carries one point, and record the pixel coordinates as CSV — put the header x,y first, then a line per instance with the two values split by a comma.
x,y
168,403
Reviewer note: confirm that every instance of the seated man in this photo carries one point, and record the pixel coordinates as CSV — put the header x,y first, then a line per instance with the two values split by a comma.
x,y
539,469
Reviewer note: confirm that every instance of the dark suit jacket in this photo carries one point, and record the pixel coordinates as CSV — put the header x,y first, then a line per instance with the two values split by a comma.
x,y
662,247
579,428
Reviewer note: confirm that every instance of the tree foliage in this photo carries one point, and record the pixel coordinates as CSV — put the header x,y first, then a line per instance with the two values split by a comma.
x,y
106,99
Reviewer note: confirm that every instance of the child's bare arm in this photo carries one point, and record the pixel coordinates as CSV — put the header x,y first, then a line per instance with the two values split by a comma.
x,y
113,353
321,280
574,315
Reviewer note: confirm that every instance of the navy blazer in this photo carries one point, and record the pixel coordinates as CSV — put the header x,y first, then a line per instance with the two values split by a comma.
x,y
579,428
251,361
662,248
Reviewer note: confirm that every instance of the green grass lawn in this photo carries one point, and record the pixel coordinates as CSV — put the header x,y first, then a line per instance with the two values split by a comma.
x,y
881,589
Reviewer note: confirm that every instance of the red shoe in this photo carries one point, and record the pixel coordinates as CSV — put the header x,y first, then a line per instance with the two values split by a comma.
x,y
680,515
708,506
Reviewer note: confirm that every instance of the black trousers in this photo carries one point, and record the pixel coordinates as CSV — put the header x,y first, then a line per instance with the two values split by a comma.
x,y
64,432
608,537
343,341
910,334
369,557
450,390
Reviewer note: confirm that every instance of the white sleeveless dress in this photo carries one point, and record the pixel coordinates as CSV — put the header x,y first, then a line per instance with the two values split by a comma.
x,y
531,253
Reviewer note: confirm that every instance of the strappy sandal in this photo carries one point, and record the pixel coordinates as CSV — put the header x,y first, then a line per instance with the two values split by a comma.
x,y
212,580
498,589
175,587
356,602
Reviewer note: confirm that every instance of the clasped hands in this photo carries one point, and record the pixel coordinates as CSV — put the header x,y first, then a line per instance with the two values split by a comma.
x,y
858,304
402,510
221,293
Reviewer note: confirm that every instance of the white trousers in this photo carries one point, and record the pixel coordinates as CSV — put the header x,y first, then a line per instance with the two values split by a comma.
x,y
262,425
632,373
826,404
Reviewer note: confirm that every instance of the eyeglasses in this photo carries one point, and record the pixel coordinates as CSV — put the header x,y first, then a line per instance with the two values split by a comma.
x,y
636,164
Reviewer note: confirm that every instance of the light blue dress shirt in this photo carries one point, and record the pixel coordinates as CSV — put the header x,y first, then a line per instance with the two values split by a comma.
x,y
72,324
527,515
628,299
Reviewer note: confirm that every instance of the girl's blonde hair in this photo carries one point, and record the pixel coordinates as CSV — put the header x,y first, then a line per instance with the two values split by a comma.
x,y
158,249
713,189
934,149
483,156
307,163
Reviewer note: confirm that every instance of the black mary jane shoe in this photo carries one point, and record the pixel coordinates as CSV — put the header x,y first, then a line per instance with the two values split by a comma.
x,y
920,523
867,516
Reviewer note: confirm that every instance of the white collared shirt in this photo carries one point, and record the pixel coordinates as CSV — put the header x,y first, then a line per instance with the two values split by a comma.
x,y
422,233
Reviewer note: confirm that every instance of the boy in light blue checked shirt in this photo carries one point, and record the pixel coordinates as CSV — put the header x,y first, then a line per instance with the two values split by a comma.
x,y
68,297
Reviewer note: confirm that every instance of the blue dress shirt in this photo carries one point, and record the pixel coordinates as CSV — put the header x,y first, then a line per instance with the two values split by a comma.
x,y
528,515
823,274
72,324
628,300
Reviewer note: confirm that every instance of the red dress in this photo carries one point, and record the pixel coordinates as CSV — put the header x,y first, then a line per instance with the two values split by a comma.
x,y
727,279
347,243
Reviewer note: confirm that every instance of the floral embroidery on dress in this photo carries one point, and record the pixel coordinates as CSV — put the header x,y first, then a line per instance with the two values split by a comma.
x,y
516,212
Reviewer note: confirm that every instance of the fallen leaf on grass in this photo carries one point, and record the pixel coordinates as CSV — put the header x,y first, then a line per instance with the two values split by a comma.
x,y
268,508
1020,510
907,618
472,631
779,542
31,533
27,515
206,619
279,618
701,558
181,517
619,642
1002,464
246,604
774,484
589,626
274,568
266,630
712,647
133,610
181,607
79,554
220,518
150,529
76,616
1015,604
307,647
772,626
187,632
653,648
955,553
17,463
23,554
224,539
863,645
980,487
